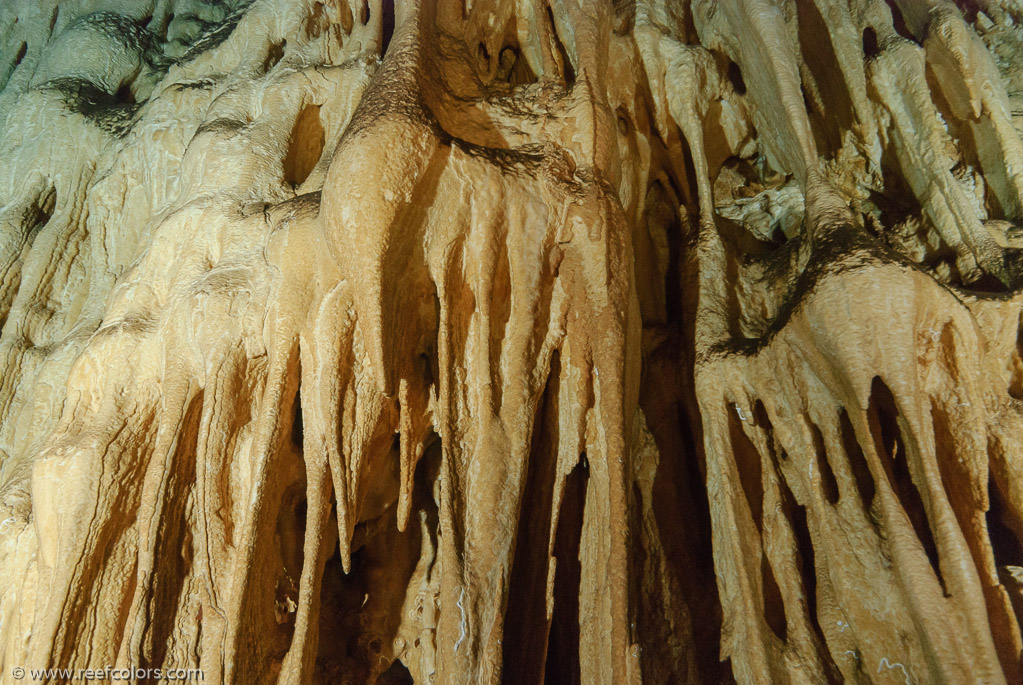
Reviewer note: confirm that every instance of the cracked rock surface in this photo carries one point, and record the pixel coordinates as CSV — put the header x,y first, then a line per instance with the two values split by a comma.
x,y
479,341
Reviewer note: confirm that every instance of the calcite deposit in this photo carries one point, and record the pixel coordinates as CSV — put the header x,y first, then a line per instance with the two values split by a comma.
x,y
479,341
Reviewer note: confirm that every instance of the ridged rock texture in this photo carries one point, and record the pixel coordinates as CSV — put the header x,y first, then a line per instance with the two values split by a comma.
x,y
479,341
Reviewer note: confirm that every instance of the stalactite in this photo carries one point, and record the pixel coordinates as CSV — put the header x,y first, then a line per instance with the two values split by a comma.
x,y
563,341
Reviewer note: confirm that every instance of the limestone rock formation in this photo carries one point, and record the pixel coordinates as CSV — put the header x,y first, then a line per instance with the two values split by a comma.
x,y
477,341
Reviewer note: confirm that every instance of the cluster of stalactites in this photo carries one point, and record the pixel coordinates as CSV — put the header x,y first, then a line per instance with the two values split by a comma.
x,y
340,328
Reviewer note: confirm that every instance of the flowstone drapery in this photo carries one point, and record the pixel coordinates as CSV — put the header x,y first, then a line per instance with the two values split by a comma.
x,y
490,341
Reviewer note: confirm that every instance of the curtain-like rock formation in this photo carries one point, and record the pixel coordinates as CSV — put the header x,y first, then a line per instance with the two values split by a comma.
x,y
466,341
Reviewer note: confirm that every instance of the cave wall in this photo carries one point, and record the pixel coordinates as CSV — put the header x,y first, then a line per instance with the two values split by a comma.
x,y
468,341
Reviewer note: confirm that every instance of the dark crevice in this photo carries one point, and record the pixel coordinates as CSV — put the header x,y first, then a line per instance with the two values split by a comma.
x,y
7,72
884,419
828,482
857,461
111,112
500,313
735,78
807,561
396,674
900,212
747,461
41,211
622,119
428,372
774,605
970,8
562,661
689,193
1016,364
514,68
174,544
870,48
673,237
807,104
297,430
822,77
808,572
124,95
274,597
679,581
695,486
795,514
568,70
34,218
1005,545
640,555
304,146
991,284
774,602
386,25
763,421
361,611
20,55
899,22
290,535
525,621
954,476
337,656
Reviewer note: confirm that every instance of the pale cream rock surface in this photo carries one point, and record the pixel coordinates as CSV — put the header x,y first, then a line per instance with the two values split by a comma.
x,y
477,341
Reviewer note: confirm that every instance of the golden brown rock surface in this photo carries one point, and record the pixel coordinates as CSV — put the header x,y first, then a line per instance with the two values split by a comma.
x,y
476,341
